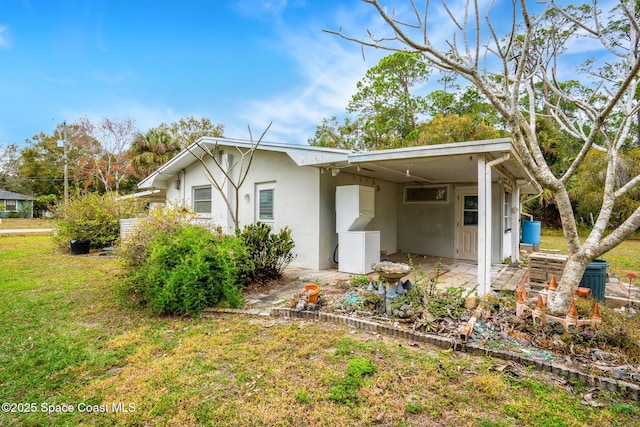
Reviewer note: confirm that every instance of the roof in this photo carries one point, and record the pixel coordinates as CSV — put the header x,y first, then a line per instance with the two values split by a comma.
x,y
10,195
443,163
302,155
454,163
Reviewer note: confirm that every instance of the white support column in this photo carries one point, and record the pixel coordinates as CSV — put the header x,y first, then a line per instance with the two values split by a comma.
x,y
515,224
484,226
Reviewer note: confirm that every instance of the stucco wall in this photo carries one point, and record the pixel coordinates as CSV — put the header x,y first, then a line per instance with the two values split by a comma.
x,y
296,201
430,228
427,228
497,227
385,219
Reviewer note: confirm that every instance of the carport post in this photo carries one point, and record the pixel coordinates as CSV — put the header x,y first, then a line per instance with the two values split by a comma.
x,y
484,226
484,221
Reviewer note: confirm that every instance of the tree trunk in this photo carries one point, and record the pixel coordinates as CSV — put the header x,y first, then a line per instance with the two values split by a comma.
x,y
568,285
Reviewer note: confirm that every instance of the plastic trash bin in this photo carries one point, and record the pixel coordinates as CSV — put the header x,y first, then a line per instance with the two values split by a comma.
x,y
79,247
595,278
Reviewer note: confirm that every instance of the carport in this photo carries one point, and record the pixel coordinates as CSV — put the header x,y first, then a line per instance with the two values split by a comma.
x,y
469,174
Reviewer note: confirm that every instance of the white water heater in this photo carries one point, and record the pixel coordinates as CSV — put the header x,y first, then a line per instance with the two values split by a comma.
x,y
357,247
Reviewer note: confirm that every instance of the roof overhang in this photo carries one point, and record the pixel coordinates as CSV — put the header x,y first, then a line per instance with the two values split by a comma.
x,y
153,195
454,163
301,155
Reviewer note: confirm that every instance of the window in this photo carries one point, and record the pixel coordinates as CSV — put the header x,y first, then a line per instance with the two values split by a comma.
x,y
202,200
266,205
424,194
11,205
507,211
470,210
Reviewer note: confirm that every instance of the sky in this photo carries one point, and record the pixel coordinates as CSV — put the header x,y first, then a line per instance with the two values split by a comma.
x,y
241,63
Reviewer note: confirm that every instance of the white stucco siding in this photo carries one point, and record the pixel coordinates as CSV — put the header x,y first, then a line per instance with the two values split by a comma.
x,y
497,224
427,228
296,201
385,219
327,220
296,198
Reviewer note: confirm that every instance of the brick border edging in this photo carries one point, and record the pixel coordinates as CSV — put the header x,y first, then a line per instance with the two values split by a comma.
x,y
627,390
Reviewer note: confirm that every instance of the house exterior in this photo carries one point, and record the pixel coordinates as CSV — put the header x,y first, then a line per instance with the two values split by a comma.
x,y
459,200
15,205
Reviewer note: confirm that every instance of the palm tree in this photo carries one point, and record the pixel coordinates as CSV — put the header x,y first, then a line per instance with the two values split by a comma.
x,y
151,150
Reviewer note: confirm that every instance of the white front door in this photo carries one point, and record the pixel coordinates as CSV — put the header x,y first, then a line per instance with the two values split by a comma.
x,y
467,224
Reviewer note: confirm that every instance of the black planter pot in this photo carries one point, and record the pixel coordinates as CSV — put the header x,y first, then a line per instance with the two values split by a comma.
x,y
80,247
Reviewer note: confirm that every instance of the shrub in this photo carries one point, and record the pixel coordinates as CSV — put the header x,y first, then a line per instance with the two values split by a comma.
x,y
93,217
44,203
271,253
189,269
134,250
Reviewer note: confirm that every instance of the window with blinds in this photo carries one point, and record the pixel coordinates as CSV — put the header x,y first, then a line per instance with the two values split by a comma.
x,y
265,209
202,200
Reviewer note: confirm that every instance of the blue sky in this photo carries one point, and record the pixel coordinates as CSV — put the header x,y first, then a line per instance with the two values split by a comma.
x,y
238,62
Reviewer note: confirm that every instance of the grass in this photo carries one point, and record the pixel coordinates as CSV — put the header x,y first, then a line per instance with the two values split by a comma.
x,y
22,223
622,259
66,342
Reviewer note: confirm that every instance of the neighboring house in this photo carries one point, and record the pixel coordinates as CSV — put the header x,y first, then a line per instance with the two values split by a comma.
x,y
15,205
459,200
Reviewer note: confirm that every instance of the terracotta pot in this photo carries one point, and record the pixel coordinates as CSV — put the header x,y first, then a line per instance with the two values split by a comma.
x,y
314,291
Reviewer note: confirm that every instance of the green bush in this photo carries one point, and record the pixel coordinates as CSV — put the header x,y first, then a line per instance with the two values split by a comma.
x,y
134,250
189,269
271,253
94,217
44,203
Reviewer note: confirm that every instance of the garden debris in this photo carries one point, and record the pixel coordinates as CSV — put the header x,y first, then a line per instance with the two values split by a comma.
x,y
511,369
589,398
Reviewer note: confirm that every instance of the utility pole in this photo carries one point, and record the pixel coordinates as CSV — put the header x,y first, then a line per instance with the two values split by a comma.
x,y
66,166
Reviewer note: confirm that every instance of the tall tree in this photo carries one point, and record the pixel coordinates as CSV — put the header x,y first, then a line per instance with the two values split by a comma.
x,y
453,128
385,102
348,135
10,179
107,158
505,67
41,166
151,150
188,130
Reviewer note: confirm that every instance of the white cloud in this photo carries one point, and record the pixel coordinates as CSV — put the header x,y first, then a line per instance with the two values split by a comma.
x,y
5,38
330,68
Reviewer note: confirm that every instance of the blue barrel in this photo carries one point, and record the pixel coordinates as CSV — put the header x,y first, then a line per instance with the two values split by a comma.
x,y
531,232
595,278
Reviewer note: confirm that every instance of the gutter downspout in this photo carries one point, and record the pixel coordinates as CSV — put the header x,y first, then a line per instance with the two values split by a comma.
x,y
526,200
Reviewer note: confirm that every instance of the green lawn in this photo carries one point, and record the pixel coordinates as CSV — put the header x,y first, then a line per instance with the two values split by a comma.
x,y
22,223
622,259
66,344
